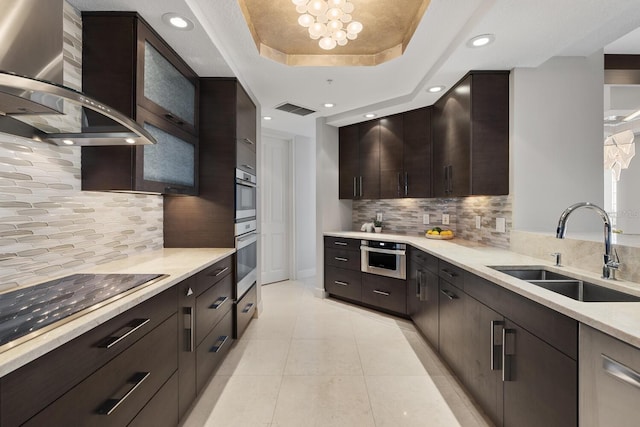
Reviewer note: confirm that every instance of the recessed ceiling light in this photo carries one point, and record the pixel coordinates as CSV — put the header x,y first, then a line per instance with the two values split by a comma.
x,y
267,117
67,141
369,116
329,105
130,141
177,21
435,89
481,40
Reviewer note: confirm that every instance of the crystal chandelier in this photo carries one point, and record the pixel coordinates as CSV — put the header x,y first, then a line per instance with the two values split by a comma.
x,y
326,21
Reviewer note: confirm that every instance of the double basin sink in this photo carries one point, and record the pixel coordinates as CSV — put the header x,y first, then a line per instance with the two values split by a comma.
x,y
571,287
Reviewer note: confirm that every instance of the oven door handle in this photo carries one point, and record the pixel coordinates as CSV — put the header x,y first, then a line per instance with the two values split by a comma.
x,y
246,240
245,183
400,252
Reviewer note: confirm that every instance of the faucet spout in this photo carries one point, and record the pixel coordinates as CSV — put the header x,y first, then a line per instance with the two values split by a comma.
x,y
609,264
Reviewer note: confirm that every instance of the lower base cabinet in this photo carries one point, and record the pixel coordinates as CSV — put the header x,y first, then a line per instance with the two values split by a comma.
x,y
244,310
212,350
160,411
117,392
385,293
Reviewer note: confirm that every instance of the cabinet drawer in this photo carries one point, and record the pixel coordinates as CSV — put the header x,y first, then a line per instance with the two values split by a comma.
x,y
342,258
56,372
385,292
213,274
212,305
451,273
424,259
343,283
341,242
213,349
162,409
115,393
244,310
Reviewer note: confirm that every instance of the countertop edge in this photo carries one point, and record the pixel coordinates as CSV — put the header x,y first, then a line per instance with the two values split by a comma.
x,y
618,319
159,262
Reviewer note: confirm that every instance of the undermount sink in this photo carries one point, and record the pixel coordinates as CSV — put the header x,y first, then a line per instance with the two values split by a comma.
x,y
565,285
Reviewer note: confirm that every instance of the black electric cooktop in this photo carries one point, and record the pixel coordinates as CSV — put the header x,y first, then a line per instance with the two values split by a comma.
x,y
28,310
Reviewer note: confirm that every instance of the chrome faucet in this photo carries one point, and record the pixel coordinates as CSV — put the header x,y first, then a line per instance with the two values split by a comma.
x,y
610,265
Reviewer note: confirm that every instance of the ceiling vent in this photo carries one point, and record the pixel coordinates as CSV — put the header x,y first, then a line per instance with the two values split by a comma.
x,y
294,109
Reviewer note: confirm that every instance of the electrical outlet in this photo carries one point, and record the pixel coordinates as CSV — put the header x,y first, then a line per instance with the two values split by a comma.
x,y
501,225
425,219
445,219
478,221
379,216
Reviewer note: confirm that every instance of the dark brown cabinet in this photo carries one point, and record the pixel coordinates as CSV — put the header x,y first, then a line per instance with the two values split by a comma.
x,y
452,335
471,137
186,335
540,386
342,276
416,179
386,158
391,157
244,310
73,381
130,68
385,293
207,221
422,294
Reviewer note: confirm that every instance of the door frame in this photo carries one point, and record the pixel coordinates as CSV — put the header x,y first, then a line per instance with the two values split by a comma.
x,y
289,139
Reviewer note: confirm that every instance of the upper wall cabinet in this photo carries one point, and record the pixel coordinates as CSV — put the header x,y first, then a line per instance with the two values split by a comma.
x,y
386,158
471,137
128,66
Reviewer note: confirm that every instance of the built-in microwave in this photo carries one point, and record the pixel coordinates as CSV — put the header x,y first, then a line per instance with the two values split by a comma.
x,y
245,195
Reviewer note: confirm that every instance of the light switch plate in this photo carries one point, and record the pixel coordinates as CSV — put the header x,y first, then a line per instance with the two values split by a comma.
x,y
425,219
445,219
501,225
478,221
379,216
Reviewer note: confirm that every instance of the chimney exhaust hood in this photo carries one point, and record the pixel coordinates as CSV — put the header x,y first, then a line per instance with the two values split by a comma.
x,y
33,102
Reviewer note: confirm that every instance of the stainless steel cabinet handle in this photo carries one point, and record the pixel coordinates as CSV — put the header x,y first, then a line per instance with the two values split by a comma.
x,y
188,319
133,383
340,243
123,333
218,303
446,179
386,294
449,273
222,339
247,308
338,282
406,184
360,186
399,184
620,371
355,187
418,284
337,258
496,348
508,351
219,272
249,167
449,294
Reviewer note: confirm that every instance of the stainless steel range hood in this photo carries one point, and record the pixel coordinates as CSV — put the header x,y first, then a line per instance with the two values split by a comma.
x,y
33,102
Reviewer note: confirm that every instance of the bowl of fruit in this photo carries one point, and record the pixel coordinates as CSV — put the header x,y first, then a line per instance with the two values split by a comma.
x,y
439,234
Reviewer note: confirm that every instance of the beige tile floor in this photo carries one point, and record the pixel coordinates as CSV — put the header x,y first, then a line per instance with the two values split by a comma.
x,y
308,361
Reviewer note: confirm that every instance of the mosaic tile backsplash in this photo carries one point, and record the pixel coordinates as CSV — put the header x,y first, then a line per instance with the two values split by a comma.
x,y
48,226
404,216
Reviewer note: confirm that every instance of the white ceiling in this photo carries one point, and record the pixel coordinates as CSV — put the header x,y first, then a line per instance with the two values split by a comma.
x,y
528,32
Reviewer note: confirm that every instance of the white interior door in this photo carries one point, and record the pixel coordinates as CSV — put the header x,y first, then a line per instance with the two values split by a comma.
x,y
276,207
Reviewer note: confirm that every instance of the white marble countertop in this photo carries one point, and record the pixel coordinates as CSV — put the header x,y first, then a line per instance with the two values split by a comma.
x,y
619,319
177,263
